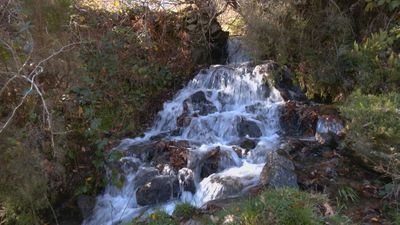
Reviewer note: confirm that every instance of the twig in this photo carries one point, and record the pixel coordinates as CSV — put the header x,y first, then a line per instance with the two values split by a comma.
x,y
52,209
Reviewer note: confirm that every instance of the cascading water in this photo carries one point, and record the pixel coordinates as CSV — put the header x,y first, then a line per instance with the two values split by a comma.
x,y
221,109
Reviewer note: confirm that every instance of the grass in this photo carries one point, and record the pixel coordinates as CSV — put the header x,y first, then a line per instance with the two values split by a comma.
x,y
184,211
282,206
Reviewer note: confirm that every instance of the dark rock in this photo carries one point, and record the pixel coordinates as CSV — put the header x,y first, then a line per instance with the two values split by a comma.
x,y
211,162
184,119
286,86
239,151
278,172
144,175
86,204
201,105
247,127
158,190
248,144
143,151
186,180
212,49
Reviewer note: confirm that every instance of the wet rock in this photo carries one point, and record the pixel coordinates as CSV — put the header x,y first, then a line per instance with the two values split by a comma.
x,y
201,105
186,180
230,186
86,204
239,151
330,130
278,172
184,119
158,190
144,175
250,128
228,158
211,162
248,144
143,151
124,165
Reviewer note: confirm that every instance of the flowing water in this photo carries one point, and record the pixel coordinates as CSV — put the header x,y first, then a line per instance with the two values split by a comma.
x,y
222,107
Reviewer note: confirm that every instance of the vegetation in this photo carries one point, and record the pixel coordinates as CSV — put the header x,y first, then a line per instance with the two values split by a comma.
x,y
283,206
78,75
74,79
184,211
344,52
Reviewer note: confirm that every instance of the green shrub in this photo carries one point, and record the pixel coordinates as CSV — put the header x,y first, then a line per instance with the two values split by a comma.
x,y
184,211
376,64
282,206
311,37
23,184
161,218
373,134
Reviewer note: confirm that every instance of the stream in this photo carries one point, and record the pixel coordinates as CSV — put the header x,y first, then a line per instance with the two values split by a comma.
x,y
209,142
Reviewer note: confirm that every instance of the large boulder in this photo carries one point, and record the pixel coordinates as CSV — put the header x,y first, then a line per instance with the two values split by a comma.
x,y
278,172
158,190
247,127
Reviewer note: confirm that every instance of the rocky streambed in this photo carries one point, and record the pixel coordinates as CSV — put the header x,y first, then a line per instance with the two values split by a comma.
x,y
230,131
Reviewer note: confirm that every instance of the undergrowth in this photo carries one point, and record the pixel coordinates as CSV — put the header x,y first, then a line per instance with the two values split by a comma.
x,y
281,206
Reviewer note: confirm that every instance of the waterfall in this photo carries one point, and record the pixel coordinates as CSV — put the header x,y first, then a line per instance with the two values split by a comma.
x,y
225,120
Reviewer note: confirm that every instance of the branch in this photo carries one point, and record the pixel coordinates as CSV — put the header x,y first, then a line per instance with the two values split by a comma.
x,y
31,78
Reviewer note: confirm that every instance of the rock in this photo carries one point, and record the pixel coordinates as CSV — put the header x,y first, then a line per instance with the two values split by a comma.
x,y
201,104
329,130
158,190
239,151
86,204
278,172
247,127
178,154
298,119
211,162
184,119
143,151
186,180
124,165
248,144
144,175
230,186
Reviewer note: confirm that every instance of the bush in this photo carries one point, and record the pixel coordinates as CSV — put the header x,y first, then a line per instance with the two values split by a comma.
x,y
282,206
373,133
376,64
23,184
184,211
161,218
311,37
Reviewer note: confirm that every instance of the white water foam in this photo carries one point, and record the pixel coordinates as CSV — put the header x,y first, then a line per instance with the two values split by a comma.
x,y
218,100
